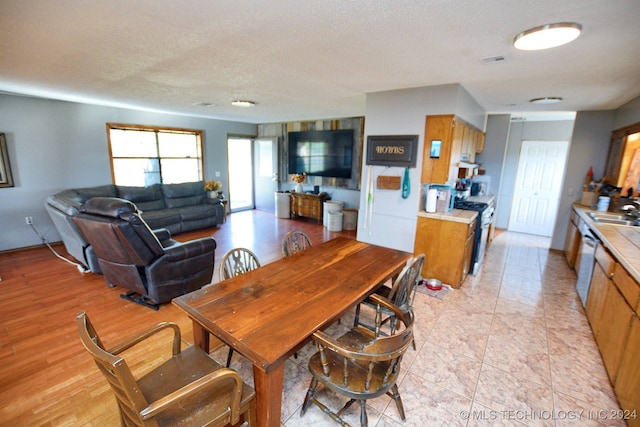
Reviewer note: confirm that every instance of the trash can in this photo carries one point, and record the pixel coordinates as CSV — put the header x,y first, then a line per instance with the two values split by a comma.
x,y
282,205
335,221
328,207
349,219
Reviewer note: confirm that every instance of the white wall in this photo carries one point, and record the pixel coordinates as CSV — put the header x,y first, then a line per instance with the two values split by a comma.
x,y
589,147
54,145
402,112
627,114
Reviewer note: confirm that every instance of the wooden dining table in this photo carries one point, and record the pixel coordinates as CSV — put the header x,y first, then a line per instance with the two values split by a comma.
x,y
269,313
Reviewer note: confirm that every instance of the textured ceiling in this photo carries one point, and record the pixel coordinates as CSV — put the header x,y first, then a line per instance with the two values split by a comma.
x,y
301,59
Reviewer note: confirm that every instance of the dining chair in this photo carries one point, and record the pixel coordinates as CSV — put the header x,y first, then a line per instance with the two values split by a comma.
x,y
361,364
402,293
235,262
294,242
187,389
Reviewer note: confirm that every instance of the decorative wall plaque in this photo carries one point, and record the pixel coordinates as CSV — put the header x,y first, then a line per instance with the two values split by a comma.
x,y
392,150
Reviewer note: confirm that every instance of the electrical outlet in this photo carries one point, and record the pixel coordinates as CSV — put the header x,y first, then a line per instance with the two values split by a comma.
x,y
28,220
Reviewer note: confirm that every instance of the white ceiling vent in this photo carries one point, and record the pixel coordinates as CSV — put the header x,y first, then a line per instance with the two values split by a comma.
x,y
494,59
518,119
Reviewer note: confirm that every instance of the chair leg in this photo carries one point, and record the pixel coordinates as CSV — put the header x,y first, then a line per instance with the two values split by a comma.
x,y
364,421
356,318
309,397
395,395
229,357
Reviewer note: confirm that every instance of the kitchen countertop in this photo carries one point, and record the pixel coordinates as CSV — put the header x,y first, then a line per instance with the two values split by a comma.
x,y
623,241
456,215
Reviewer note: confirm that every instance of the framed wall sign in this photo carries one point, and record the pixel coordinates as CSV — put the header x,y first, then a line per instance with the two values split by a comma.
x,y
392,150
6,179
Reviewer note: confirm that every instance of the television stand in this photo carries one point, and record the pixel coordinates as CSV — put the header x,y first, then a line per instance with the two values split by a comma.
x,y
308,205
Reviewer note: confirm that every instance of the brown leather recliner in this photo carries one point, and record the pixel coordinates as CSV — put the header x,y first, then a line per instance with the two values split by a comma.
x,y
152,266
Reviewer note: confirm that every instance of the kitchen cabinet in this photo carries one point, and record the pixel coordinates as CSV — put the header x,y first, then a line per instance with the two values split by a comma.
x,y
622,146
608,313
572,240
456,140
627,386
448,246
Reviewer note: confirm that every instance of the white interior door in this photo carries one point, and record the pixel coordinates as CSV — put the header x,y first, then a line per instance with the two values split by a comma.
x,y
266,173
536,195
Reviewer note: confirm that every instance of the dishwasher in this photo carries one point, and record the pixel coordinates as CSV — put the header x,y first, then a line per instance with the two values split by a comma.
x,y
587,257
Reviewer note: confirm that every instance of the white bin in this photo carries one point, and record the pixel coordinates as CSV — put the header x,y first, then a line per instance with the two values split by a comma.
x,y
328,207
335,221
349,219
282,205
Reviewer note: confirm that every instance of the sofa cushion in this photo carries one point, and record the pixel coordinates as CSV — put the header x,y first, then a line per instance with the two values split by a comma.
x,y
85,194
184,194
163,218
145,198
190,213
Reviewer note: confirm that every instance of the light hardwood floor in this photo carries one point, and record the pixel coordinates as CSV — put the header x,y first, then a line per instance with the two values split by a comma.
x,y
511,347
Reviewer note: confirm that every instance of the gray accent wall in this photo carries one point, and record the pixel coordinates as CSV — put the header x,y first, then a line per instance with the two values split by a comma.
x,y
54,145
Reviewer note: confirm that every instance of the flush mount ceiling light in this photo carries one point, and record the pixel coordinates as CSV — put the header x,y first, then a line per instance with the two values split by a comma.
x,y
546,36
242,103
546,100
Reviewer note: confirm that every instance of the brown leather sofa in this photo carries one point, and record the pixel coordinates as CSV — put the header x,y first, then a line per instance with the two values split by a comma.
x,y
153,267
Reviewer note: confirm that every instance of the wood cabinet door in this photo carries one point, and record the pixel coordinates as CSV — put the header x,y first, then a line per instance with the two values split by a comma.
x,y
468,253
435,170
627,385
445,244
614,330
571,244
596,297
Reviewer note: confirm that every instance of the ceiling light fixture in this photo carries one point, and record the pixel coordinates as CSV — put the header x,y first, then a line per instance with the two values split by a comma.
x,y
546,100
242,103
546,36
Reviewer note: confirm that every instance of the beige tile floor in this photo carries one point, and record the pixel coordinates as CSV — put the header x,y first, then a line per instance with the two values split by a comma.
x,y
512,346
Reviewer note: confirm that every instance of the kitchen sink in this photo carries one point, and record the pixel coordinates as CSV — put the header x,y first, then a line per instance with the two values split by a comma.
x,y
613,219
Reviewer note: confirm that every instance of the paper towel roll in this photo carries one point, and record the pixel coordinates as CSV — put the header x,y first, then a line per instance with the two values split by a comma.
x,y
432,198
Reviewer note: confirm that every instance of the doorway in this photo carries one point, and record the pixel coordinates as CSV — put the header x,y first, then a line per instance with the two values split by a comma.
x,y
253,173
240,167
536,194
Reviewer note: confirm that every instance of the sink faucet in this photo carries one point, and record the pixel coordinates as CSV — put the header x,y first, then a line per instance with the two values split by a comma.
x,y
631,208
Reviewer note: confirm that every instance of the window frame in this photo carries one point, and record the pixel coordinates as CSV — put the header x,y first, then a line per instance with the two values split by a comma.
x,y
198,133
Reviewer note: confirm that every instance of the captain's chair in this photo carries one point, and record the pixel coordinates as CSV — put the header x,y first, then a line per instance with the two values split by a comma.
x,y
152,266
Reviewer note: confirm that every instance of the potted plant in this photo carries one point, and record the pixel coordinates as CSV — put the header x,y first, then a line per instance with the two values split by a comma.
x,y
212,187
299,179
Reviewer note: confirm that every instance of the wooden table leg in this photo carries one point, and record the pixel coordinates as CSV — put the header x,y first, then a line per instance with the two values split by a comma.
x,y
268,388
200,337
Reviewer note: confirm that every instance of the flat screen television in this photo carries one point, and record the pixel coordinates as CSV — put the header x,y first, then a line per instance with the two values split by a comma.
x,y
321,153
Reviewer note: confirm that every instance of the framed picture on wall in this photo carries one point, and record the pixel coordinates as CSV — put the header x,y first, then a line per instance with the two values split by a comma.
x,y
6,179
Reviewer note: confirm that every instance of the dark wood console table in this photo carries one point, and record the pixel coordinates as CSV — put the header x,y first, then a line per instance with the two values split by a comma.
x,y
308,205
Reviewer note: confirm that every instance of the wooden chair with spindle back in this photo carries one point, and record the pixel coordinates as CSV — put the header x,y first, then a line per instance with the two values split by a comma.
x,y
361,364
188,389
235,262
294,242
402,293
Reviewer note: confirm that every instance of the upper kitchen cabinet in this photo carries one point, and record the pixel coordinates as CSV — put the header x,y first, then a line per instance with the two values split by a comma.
x,y
448,140
623,161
